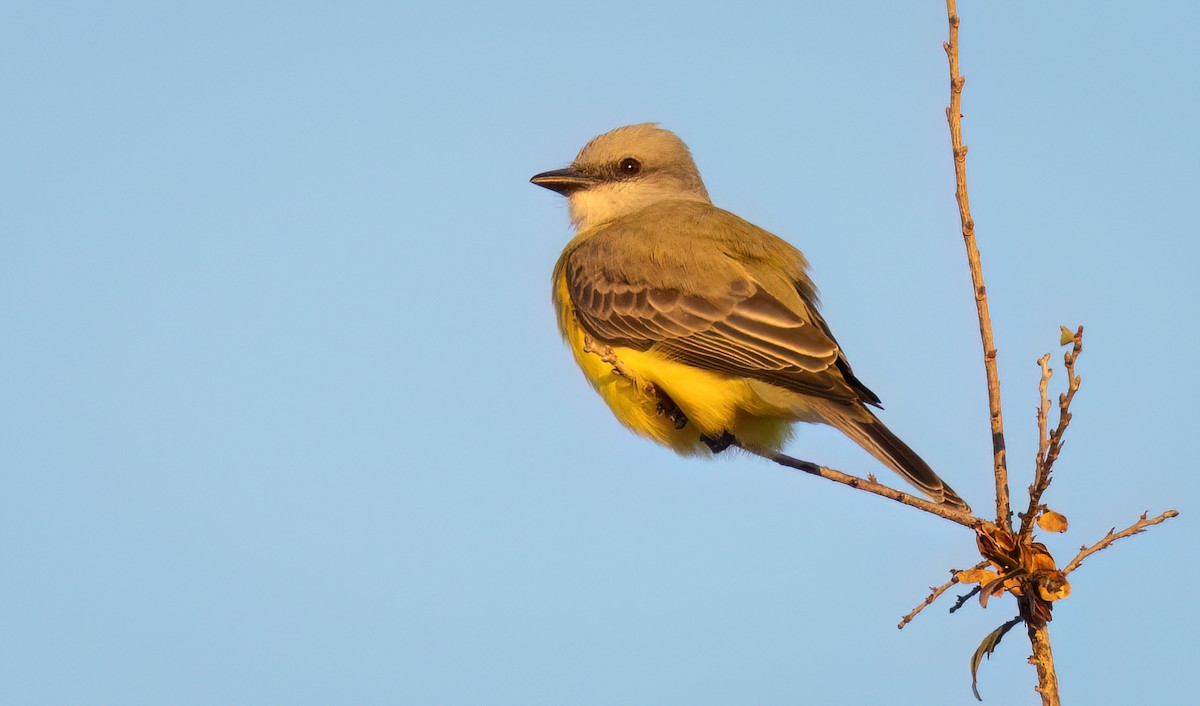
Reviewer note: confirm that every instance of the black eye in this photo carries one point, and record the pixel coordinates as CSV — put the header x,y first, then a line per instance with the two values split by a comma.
x,y
629,166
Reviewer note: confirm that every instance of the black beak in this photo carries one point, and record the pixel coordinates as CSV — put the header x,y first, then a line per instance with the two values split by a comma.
x,y
564,181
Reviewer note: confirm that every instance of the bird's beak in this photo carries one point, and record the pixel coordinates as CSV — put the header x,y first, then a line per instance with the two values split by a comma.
x,y
564,181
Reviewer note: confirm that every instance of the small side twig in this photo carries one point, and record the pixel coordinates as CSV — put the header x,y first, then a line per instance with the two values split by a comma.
x,y
1112,536
935,593
962,600
606,354
1050,444
962,518
1064,400
1041,476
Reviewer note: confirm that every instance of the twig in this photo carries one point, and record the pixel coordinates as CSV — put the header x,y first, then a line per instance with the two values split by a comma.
x,y
1064,400
962,600
962,518
1051,445
934,594
954,117
1112,536
1041,475
606,354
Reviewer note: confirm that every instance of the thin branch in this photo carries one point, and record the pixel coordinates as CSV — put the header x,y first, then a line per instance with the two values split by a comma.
x,y
954,117
1064,400
962,600
962,518
1043,416
870,485
1112,536
934,594
1041,475
1051,445
606,354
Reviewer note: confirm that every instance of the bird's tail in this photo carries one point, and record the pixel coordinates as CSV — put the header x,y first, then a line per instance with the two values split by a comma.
x,y
868,432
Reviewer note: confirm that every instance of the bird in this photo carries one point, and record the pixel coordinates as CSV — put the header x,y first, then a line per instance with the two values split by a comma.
x,y
700,330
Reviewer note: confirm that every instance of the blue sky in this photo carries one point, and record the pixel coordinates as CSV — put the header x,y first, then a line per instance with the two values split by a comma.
x,y
287,420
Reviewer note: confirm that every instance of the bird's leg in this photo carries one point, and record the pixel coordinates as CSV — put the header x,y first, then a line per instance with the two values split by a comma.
x,y
720,443
666,407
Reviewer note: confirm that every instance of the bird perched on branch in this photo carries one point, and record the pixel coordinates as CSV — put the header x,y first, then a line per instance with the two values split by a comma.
x,y
700,330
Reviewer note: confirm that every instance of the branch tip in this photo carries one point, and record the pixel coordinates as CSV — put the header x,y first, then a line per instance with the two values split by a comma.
x,y
1112,536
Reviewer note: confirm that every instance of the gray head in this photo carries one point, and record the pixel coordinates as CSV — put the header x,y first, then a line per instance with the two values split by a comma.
x,y
624,171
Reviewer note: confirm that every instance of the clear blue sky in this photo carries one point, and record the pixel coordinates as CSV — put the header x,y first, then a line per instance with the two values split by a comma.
x,y
286,419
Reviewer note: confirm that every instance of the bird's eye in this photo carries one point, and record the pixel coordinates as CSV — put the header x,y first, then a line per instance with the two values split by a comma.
x,y
630,166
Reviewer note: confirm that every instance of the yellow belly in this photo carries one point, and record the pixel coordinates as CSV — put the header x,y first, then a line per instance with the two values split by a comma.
x,y
758,414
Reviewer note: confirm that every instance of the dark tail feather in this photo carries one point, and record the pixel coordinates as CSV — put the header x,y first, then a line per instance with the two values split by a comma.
x,y
870,433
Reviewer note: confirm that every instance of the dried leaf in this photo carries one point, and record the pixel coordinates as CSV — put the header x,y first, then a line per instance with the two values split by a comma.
x,y
1067,337
1052,585
987,647
976,576
994,587
1040,612
1052,521
1036,557
998,546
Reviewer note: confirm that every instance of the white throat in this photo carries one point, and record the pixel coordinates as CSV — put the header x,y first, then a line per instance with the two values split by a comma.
x,y
604,202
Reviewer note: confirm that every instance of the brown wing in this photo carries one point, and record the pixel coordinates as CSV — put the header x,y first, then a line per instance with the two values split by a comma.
x,y
743,331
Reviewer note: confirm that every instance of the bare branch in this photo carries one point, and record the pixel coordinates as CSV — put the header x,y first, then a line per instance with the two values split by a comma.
x,y
942,511
935,593
1041,476
1112,536
954,117
1038,636
1064,400
870,485
1051,445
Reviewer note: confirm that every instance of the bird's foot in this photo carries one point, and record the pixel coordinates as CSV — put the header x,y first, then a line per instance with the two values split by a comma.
x,y
719,444
666,407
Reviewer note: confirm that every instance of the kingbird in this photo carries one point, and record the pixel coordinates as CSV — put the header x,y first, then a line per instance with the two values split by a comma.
x,y
700,330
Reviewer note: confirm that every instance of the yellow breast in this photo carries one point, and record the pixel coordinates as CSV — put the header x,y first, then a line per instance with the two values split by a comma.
x,y
757,413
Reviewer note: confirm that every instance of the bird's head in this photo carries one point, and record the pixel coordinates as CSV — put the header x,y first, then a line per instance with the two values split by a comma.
x,y
624,171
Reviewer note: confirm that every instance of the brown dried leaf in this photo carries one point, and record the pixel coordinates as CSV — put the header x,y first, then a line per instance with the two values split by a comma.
x,y
1036,557
995,587
1052,521
1039,612
976,576
998,546
1052,586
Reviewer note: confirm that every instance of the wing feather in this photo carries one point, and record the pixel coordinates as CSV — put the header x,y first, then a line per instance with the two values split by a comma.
x,y
747,332
630,288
